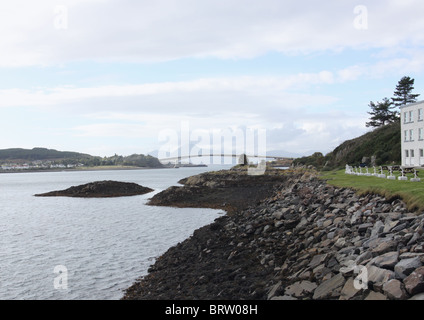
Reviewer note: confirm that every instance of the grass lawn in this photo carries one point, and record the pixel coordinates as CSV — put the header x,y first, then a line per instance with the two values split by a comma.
x,y
412,193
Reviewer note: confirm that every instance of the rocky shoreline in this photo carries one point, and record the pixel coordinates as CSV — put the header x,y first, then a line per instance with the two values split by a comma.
x,y
230,190
304,240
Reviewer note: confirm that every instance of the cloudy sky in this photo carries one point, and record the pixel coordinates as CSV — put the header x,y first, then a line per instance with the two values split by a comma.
x,y
109,76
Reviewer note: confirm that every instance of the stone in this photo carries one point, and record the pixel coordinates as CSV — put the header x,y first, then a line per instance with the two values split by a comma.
x,y
394,290
340,243
405,267
320,271
348,269
278,215
300,288
330,287
413,239
377,276
399,227
393,215
303,222
377,229
375,296
305,275
332,263
287,298
374,242
363,257
278,224
418,248
291,223
414,283
274,290
389,225
266,228
356,217
364,227
387,260
317,260
383,247
338,220
349,291
408,255
408,218
327,223
419,296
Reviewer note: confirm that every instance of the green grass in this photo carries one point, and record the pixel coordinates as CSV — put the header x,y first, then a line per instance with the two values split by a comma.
x,y
412,193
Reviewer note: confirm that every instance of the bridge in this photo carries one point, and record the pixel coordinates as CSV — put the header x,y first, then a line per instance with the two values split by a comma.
x,y
221,155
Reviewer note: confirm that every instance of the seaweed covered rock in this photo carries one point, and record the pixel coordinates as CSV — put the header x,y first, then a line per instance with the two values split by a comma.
x,y
230,190
100,189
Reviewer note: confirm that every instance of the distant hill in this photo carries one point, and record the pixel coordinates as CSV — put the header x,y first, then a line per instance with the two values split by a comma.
x,y
383,144
18,155
40,154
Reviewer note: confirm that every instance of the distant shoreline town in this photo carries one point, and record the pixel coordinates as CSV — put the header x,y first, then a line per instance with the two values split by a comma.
x,y
38,165
42,159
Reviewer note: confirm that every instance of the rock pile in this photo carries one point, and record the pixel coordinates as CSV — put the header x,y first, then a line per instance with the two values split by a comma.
x,y
342,246
309,240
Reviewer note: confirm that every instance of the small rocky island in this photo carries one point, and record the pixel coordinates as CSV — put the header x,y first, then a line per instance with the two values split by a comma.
x,y
100,189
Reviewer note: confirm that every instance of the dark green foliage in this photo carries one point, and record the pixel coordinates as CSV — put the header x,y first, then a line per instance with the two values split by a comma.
x,y
384,143
140,160
316,160
403,91
382,113
39,154
66,157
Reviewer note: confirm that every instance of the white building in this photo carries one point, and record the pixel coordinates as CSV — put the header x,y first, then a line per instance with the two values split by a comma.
x,y
412,133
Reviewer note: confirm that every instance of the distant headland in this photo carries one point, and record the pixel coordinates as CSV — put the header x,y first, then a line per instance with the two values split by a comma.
x,y
43,159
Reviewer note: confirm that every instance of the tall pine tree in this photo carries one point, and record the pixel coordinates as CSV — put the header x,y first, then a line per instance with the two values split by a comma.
x,y
381,113
403,93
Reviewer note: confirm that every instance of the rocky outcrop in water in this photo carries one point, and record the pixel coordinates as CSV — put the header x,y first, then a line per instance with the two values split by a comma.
x,y
306,240
100,189
230,190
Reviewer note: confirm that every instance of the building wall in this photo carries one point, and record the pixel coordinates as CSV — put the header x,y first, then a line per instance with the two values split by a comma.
x,y
412,134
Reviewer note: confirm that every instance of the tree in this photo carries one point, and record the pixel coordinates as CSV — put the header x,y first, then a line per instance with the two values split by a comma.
x,y
382,113
403,93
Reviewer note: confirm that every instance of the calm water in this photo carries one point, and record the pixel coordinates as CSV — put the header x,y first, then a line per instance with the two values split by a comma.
x,y
104,244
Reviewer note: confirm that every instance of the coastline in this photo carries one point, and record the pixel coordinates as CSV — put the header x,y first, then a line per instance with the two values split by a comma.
x,y
100,168
304,240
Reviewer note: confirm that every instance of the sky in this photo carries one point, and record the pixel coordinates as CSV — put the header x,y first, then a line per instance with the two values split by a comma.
x,y
107,76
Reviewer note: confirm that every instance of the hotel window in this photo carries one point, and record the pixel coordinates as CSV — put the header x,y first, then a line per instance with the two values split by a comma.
x,y
420,114
412,153
407,153
420,134
411,116
411,135
405,117
421,153
406,135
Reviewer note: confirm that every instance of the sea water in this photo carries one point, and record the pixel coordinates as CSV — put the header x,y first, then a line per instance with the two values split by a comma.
x,y
86,248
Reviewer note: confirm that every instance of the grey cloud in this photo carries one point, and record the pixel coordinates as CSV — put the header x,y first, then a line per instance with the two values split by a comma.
x,y
142,31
